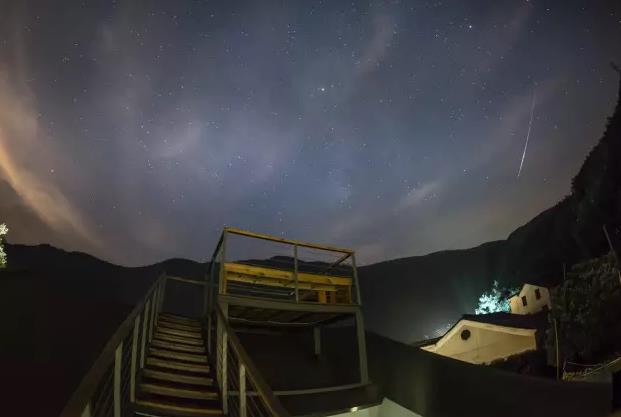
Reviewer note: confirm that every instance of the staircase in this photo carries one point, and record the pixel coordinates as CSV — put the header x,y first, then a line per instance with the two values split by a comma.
x,y
176,378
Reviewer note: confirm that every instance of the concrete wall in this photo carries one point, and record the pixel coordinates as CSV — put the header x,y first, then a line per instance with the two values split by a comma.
x,y
533,305
436,386
486,343
425,383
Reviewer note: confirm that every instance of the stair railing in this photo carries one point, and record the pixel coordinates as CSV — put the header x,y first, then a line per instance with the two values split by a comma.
x,y
245,393
109,387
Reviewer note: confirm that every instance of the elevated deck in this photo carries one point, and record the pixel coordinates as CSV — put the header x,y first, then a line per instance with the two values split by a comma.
x,y
301,285
326,281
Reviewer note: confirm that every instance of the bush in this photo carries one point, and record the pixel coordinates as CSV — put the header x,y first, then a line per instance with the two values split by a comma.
x,y
587,307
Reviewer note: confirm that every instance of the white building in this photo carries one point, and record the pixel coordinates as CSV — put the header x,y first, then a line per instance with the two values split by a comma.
x,y
531,299
486,338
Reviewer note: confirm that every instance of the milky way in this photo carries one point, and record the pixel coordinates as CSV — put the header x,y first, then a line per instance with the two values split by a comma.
x,y
136,130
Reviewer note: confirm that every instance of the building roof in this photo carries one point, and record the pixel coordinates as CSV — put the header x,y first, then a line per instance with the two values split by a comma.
x,y
537,321
520,321
541,282
425,342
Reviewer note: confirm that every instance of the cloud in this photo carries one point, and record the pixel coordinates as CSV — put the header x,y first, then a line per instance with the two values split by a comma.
x,y
26,155
22,158
418,195
383,32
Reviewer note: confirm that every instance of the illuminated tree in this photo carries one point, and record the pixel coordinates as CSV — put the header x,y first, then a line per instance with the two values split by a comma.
x,y
495,300
3,231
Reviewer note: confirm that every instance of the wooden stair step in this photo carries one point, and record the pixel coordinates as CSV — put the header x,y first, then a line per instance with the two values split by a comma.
x,y
177,346
177,326
177,377
196,325
179,319
172,408
171,391
180,356
177,339
182,333
178,366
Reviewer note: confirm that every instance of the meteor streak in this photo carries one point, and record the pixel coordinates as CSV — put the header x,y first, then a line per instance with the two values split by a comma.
x,y
530,125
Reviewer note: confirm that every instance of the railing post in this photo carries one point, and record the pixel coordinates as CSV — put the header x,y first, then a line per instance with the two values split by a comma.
x,y
218,350
242,390
118,359
225,393
206,290
143,341
295,273
153,316
222,286
132,375
209,333
353,265
87,410
162,292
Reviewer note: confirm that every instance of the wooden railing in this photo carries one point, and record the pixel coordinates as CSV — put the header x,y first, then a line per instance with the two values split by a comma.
x,y
224,270
109,387
244,391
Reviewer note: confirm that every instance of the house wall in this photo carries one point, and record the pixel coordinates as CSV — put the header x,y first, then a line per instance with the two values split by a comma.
x,y
486,343
533,305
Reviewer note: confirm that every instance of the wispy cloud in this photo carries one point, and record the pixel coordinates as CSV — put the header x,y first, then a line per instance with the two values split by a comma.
x,y
26,157
374,52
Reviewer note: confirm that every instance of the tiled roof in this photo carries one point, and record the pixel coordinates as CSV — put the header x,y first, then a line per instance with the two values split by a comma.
x,y
521,321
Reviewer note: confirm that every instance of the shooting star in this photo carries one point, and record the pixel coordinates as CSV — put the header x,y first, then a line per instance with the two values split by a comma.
x,y
530,125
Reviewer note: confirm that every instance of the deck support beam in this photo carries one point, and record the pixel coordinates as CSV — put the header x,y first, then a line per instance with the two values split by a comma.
x,y
317,340
242,390
362,348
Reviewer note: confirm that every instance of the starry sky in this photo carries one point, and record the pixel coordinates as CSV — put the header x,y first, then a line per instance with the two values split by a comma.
x,y
135,130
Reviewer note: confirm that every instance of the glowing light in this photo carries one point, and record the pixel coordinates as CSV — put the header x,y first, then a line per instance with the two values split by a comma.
x,y
495,300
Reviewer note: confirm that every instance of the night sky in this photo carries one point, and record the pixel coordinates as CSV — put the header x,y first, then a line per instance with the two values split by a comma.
x,y
136,130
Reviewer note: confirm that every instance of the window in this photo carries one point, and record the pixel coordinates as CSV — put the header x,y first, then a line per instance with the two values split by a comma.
x,y
524,302
465,334
537,294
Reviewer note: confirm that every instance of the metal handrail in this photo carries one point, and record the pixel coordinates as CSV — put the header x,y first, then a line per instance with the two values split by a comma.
x,y
80,402
262,389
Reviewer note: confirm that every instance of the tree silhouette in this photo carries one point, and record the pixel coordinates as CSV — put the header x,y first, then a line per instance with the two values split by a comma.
x,y
3,231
